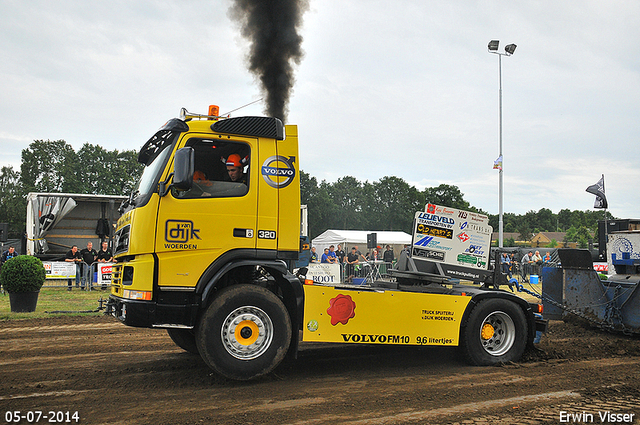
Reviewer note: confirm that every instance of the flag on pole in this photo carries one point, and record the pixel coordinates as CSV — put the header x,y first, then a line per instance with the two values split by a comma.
x,y
497,164
598,190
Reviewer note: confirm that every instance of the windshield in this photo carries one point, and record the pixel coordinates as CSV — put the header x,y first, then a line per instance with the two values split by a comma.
x,y
155,157
151,174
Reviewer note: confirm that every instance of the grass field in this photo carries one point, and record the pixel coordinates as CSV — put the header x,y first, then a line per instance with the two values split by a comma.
x,y
52,300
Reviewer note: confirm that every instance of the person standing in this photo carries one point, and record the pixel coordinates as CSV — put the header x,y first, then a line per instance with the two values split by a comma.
x,y
352,259
388,256
333,257
104,255
505,262
537,262
73,256
8,254
340,254
88,255
314,256
325,256
513,265
526,265
359,254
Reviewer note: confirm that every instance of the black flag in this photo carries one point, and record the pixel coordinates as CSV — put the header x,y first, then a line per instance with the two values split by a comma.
x,y
598,190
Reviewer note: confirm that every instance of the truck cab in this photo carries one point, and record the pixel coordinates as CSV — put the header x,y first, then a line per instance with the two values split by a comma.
x,y
191,228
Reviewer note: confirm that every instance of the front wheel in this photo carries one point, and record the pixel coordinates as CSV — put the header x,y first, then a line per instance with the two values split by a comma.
x,y
496,332
244,333
184,338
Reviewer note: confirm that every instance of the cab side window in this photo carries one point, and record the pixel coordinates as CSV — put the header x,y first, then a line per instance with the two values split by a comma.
x,y
221,169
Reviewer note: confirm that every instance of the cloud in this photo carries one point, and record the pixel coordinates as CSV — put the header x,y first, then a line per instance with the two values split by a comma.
x,y
405,88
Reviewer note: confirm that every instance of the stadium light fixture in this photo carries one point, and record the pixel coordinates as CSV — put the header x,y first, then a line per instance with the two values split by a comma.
x,y
508,51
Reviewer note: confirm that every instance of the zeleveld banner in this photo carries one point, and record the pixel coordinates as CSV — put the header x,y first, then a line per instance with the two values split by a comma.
x,y
460,241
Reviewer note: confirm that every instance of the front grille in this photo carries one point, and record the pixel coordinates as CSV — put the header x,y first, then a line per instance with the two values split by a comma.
x,y
116,275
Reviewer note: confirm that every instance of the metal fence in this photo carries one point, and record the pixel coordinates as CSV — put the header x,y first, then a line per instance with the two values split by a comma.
x,y
364,271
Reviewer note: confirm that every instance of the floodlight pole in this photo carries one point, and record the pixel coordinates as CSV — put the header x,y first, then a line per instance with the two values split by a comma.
x,y
509,49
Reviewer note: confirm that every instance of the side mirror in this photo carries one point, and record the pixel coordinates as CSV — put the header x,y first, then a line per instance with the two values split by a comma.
x,y
183,165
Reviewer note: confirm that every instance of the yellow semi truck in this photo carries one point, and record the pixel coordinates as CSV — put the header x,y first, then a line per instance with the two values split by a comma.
x,y
205,241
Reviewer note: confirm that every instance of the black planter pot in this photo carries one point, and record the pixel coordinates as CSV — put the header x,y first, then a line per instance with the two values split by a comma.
x,y
23,302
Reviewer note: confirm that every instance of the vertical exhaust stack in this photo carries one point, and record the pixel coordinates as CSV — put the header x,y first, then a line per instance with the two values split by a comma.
x,y
271,27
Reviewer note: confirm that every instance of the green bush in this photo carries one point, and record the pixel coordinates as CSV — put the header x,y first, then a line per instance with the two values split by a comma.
x,y
23,273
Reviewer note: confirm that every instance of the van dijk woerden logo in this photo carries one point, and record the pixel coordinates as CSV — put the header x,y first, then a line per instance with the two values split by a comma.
x,y
178,233
278,171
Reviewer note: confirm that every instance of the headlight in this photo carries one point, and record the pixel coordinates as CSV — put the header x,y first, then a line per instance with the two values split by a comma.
x,y
137,295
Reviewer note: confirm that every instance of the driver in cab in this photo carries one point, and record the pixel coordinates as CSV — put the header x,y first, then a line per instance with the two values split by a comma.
x,y
235,168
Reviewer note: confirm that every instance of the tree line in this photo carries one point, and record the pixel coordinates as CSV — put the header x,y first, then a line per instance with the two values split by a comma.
x,y
390,204
54,166
386,204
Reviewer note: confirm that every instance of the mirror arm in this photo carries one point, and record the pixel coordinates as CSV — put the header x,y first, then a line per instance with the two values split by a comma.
x,y
164,187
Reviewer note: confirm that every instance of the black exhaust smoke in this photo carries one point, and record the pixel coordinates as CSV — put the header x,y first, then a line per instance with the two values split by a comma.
x,y
271,27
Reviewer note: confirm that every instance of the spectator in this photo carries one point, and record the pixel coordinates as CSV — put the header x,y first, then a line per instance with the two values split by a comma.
x,y
526,265
8,254
314,256
359,254
505,262
73,256
333,258
104,255
537,260
340,254
326,257
388,257
352,259
547,259
88,255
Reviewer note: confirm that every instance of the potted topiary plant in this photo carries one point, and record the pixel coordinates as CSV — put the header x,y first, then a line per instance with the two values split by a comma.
x,y
22,277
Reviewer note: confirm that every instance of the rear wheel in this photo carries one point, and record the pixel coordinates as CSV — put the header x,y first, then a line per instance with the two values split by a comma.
x,y
185,339
244,333
496,332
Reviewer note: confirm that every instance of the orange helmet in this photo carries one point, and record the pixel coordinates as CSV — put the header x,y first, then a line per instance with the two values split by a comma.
x,y
234,160
201,178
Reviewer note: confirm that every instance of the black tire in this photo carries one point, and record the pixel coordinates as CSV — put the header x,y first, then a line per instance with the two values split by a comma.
x,y
185,339
496,332
244,333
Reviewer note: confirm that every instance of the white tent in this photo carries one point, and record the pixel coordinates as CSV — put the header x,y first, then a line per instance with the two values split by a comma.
x,y
349,238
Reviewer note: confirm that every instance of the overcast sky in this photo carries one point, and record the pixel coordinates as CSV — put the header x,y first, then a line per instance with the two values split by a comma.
x,y
404,88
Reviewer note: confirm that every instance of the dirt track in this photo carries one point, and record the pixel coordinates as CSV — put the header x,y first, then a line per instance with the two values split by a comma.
x,y
113,374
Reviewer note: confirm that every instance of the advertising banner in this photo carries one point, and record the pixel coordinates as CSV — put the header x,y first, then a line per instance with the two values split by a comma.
x,y
104,273
324,273
59,270
452,237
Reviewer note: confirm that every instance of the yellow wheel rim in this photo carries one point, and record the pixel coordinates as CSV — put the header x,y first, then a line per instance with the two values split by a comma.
x,y
254,332
487,331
